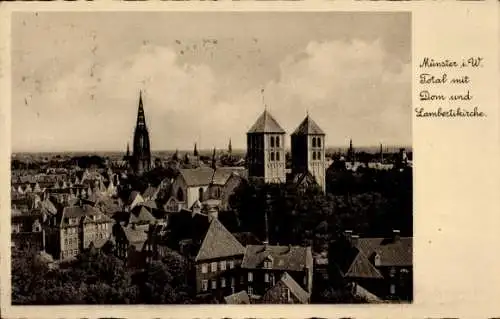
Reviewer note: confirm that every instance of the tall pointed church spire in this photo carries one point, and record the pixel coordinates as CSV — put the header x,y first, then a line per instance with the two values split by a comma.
x,y
141,153
229,147
381,153
351,152
141,119
128,150
195,151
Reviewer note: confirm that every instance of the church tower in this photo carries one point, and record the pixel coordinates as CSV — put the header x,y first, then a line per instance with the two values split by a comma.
x,y
141,153
308,151
266,150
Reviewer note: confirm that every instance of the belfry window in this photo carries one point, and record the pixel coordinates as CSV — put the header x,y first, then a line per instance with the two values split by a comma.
x,y
277,141
314,142
272,141
319,142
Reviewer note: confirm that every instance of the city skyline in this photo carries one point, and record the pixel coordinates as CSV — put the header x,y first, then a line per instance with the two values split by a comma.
x,y
83,95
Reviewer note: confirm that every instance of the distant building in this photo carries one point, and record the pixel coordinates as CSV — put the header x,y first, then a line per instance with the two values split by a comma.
x,y
382,266
264,265
286,291
141,154
217,261
266,150
72,231
199,184
308,151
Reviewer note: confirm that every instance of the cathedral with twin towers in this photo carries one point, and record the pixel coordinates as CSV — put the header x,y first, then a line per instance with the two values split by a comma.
x,y
266,149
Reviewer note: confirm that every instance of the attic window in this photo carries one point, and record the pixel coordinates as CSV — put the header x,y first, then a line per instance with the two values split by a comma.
x,y
268,264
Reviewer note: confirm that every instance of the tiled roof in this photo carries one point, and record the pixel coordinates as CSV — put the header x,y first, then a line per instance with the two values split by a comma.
x,y
203,176
149,192
140,214
247,238
397,252
293,258
219,242
266,124
239,298
149,203
136,236
361,267
278,294
133,196
308,127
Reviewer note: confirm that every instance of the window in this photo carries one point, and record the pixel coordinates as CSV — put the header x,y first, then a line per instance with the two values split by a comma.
x,y
75,252
250,290
223,282
204,285
314,142
250,276
277,156
242,279
223,265
272,141
213,267
233,282
231,264
318,155
272,156
319,142
314,156
204,268
266,277
268,264
277,141
66,241
214,284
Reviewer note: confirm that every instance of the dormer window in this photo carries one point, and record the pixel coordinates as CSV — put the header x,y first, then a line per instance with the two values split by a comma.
x,y
268,262
377,260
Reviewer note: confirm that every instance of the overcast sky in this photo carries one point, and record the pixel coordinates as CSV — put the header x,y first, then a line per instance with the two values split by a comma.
x,y
77,76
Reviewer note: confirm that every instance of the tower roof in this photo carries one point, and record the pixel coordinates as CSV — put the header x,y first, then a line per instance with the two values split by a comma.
x,y
308,127
266,124
141,119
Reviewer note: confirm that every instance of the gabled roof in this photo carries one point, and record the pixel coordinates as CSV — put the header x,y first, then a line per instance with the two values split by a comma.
x,y
203,176
308,127
219,242
275,293
392,252
361,267
150,192
136,236
239,298
135,196
266,124
140,214
293,258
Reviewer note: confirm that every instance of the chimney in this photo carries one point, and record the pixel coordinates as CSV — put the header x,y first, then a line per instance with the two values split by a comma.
x,y
354,240
396,234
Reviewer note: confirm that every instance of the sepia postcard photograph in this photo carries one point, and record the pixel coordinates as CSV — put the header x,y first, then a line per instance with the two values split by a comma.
x,y
211,158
